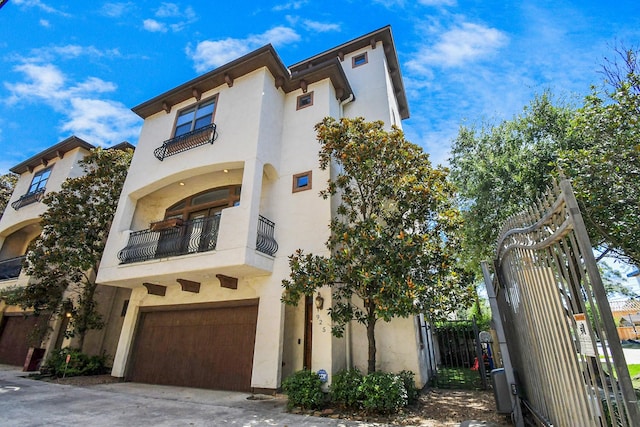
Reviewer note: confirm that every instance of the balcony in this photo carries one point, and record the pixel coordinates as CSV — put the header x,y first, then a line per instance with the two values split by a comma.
x,y
187,141
166,238
28,198
10,268
173,237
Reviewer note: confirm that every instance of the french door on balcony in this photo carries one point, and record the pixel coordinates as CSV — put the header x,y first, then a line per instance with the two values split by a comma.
x,y
202,229
198,234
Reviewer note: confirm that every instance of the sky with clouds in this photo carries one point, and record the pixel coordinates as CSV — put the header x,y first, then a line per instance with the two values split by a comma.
x,y
77,68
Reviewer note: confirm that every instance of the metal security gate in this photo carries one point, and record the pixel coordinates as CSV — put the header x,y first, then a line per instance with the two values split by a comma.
x,y
568,362
462,361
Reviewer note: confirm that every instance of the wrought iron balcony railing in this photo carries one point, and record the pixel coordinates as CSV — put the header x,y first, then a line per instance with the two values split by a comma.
x,y
28,198
193,139
10,268
266,242
172,238
198,235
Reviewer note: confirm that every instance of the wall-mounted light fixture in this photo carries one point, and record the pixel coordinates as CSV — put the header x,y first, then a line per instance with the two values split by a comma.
x,y
319,301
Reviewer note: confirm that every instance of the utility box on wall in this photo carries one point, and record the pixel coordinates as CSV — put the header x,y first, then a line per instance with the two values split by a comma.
x,y
501,391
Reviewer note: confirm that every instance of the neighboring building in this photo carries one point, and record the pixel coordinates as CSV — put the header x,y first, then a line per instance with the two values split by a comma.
x,y
222,188
19,226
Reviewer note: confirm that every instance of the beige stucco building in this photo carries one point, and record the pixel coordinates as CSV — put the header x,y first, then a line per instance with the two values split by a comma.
x,y
222,188
19,226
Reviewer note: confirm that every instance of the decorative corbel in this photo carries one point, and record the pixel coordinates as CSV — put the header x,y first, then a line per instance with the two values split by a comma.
x,y
341,56
196,93
373,43
189,286
227,281
60,154
153,289
303,86
228,79
166,107
279,82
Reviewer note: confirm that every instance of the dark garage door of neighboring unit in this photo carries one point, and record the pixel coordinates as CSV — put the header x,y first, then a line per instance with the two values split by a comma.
x,y
195,346
14,338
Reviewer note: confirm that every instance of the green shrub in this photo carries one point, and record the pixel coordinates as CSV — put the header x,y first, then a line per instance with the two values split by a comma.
x,y
344,388
303,389
383,393
409,385
79,363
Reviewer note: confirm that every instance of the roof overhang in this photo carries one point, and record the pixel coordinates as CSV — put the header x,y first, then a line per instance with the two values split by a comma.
x,y
382,35
58,150
265,56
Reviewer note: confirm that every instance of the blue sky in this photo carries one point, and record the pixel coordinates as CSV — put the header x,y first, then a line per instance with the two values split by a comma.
x,y
79,67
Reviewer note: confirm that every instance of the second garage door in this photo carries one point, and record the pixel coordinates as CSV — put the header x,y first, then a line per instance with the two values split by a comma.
x,y
196,346
14,337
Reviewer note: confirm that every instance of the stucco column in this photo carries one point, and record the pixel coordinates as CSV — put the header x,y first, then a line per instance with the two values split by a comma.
x,y
238,226
267,356
126,336
323,343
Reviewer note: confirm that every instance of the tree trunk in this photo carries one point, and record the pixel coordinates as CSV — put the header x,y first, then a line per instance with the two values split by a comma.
x,y
371,336
87,310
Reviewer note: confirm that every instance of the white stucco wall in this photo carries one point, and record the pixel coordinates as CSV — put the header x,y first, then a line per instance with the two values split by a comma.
x,y
263,141
61,169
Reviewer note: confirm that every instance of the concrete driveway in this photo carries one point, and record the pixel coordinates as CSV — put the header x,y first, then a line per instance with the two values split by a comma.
x,y
26,402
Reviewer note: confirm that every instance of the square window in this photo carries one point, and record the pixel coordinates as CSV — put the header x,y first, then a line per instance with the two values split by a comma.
x,y
302,181
304,101
359,60
195,118
39,181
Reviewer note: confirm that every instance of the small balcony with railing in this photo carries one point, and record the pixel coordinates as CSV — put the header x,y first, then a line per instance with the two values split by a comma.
x,y
28,199
202,136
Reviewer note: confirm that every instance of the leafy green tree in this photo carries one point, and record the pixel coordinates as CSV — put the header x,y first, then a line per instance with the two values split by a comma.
x,y
395,239
64,259
604,163
7,183
499,169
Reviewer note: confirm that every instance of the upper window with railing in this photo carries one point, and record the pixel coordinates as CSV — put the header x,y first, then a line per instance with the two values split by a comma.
x,y
39,181
36,189
194,127
195,118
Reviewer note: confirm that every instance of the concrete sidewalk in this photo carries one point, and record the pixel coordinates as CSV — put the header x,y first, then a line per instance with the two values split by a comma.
x,y
26,402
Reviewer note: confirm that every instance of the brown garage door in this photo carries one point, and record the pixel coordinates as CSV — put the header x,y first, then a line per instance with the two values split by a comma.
x,y
196,346
14,338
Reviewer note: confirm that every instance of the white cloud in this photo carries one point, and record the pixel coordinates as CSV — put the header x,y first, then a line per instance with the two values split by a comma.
x,y
116,10
292,5
466,43
70,51
168,10
101,122
154,26
85,114
321,27
389,4
213,53
438,2
44,23
39,5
